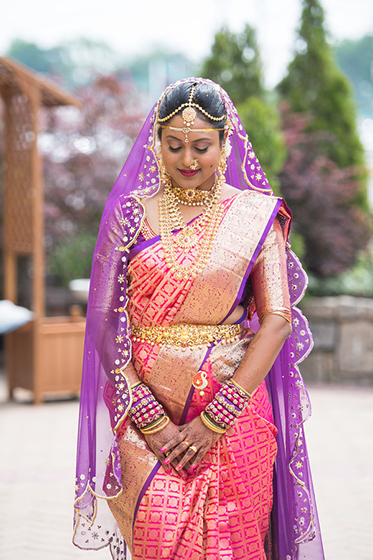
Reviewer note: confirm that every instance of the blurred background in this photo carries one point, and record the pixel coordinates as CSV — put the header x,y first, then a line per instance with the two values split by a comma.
x,y
300,73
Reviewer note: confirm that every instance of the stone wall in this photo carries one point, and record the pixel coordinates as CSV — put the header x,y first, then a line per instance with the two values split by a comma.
x,y
342,329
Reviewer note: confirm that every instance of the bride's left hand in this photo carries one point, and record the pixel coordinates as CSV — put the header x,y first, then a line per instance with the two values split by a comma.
x,y
199,439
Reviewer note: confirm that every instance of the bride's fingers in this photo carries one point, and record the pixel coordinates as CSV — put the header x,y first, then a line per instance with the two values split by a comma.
x,y
196,460
187,460
181,448
172,443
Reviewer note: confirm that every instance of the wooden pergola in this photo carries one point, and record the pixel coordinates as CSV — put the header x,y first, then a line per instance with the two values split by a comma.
x,y
45,355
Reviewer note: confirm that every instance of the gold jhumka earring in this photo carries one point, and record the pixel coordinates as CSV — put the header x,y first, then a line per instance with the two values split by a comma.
x,y
222,166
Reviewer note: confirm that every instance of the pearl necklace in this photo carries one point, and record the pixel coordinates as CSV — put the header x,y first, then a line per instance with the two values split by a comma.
x,y
170,219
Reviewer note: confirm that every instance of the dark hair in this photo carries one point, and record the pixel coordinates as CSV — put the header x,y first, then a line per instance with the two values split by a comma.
x,y
205,95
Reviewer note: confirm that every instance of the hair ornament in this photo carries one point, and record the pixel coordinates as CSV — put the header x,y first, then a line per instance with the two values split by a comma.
x,y
190,114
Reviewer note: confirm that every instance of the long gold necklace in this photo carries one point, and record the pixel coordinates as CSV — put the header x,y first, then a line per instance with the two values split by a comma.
x,y
170,219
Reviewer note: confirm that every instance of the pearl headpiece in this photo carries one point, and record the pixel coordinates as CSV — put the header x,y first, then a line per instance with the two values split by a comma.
x,y
188,116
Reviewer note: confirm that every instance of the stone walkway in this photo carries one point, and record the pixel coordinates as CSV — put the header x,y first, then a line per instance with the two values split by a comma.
x,y
37,454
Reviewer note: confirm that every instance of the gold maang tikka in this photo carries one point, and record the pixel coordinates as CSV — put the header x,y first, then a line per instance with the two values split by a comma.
x,y
188,115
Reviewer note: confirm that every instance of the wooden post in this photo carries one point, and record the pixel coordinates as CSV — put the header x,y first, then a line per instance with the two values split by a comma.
x,y
10,259
38,280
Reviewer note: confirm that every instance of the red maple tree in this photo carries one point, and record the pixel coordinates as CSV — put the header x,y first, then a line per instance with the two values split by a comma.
x,y
322,197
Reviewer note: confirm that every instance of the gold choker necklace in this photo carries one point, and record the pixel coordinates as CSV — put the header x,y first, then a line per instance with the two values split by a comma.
x,y
193,197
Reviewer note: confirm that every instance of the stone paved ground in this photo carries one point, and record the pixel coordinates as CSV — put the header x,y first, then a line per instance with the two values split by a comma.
x,y
37,453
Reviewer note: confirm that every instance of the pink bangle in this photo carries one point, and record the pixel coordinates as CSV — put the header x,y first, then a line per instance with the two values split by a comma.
x,y
145,408
228,404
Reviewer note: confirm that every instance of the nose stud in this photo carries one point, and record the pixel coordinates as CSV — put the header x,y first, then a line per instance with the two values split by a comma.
x,y
193,165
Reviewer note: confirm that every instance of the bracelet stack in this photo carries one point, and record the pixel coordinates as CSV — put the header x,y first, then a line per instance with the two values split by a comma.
x,y
146,412
224,409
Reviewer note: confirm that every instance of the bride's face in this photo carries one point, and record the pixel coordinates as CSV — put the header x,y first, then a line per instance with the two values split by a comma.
x,y
179,155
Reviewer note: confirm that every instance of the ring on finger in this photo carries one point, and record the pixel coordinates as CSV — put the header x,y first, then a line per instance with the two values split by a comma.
x,y
193,448
186,443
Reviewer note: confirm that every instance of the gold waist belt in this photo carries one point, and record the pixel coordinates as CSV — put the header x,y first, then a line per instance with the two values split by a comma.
x,y
187,335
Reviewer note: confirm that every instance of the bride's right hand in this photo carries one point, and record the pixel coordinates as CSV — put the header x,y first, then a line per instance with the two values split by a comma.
x,y
158,440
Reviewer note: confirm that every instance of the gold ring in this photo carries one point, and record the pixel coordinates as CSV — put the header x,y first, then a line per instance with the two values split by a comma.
x,y
186,442
193,448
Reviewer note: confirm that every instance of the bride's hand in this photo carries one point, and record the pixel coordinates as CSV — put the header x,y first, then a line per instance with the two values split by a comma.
x,y
157,442
189,445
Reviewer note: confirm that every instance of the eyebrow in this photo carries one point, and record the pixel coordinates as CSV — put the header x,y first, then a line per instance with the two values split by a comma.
x,y
192,142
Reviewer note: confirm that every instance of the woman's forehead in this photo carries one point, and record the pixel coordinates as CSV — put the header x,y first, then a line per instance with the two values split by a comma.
x,y
178,121
204,129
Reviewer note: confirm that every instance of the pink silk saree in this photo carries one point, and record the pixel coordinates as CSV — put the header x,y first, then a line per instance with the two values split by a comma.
x,y
223,510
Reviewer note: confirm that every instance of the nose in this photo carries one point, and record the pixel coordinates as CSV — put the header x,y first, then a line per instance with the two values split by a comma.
x,y
188,157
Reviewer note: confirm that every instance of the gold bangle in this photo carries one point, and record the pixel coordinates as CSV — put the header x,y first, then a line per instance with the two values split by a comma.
x,y
154,424
210,425
241,388
136,385
285,314
157,428
153,428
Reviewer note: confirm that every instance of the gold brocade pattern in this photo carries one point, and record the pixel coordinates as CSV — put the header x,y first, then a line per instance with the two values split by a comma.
x,y
168,388
137,461
226,359
235,243
269,276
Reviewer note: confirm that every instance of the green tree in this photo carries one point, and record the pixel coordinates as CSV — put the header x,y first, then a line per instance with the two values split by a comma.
x,y
262,121
355,58
45,61
314,84
72,63
235,64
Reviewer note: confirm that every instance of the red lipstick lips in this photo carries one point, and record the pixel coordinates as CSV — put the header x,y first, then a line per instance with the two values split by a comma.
x,y
188,172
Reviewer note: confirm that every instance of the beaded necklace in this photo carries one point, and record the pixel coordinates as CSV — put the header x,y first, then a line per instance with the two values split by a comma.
x,y
170,219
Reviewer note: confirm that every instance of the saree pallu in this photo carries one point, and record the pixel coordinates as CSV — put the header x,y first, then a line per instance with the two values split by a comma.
x,y
222,511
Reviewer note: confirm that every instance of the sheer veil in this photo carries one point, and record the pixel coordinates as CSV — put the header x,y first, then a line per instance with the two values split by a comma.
x,y
105,393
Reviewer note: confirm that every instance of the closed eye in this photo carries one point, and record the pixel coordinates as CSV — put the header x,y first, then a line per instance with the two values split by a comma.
x,y
174,149
202,150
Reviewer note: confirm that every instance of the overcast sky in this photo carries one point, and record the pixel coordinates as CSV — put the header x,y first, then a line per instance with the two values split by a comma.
x,y
134,26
